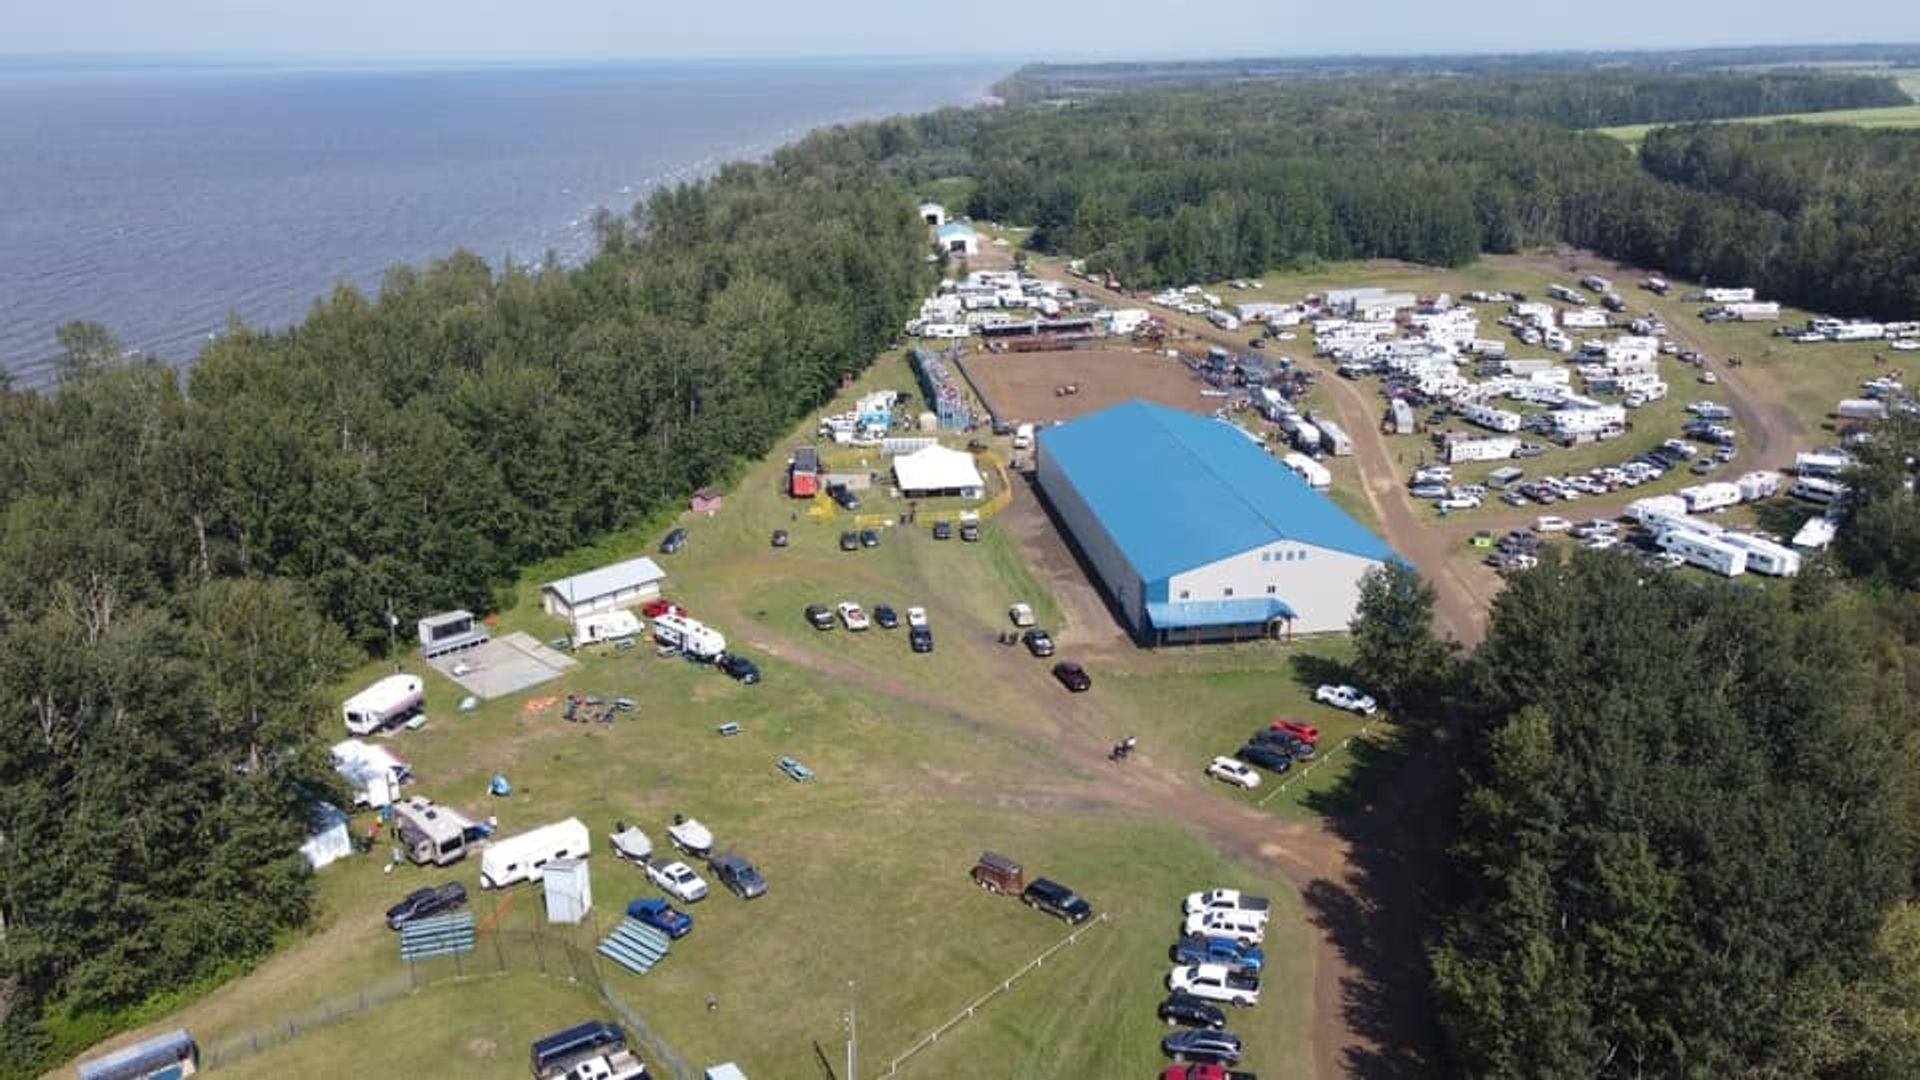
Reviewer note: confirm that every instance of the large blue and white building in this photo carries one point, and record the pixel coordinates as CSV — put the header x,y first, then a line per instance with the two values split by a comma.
x,y
1197,534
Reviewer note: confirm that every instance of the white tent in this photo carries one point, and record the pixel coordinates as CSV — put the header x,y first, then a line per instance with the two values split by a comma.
x,y
327,836
937,470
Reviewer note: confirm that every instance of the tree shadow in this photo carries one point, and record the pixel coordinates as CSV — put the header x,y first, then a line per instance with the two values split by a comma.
x,y
1393,810
1313,671
1782,517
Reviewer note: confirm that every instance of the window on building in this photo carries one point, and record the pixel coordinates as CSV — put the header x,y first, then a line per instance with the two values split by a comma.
x,y
1271,589
1229,592
1184,594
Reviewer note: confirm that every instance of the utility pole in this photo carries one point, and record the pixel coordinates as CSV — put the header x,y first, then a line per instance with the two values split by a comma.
x,y
853,1028
393,627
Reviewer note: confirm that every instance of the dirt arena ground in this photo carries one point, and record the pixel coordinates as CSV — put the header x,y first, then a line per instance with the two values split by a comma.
x,y
1020,386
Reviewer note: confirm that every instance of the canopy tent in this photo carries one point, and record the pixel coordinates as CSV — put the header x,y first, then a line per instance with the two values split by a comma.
x,y
937,470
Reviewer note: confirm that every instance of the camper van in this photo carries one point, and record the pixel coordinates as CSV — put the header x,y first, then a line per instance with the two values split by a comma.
x,y
1706,552
1817,489
519,858
388,701
430,834
695,639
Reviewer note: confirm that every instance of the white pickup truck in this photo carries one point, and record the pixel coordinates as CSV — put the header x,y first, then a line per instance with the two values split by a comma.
x,y
1228,900
1215,982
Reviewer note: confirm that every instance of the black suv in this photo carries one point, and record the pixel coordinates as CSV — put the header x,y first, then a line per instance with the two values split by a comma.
x,y
740,668
675,540
820,617
1056,899
1267,757
1189,1011
422,903
846,498
943,530
738,874
849,541
921,639
884,618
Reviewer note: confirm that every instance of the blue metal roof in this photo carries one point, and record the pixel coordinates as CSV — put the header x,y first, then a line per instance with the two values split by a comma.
x,y
1191,613
953,230
1176,491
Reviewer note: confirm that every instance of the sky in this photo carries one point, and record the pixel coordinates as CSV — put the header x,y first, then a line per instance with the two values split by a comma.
x,y
1014,29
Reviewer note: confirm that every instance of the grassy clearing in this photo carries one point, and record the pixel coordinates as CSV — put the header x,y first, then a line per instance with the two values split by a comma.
x,y
921,761
1891,116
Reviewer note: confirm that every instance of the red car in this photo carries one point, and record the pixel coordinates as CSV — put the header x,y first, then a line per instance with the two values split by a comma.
x,y
653,609
1306,732
1203,1071
1072,676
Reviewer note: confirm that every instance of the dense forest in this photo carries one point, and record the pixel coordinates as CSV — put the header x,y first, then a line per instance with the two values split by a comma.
x,y
182,565
1044,81
1685,827
1172,186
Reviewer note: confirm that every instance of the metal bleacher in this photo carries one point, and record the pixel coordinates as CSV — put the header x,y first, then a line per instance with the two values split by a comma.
x,y
442,935
635,946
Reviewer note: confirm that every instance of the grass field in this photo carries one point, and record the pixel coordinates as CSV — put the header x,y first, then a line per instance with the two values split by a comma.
x,y
1891,116
920,761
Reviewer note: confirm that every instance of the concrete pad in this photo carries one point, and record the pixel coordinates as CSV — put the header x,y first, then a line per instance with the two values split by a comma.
x,y
503,666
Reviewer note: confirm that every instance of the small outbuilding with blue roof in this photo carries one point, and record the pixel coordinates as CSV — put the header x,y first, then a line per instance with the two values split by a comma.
x,y
1197,534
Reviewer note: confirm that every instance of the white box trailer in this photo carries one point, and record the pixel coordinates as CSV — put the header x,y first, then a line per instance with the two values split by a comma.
x,y
1489,417
695,639
522,857
1729,296
1315,474
1305,436
1764,556
1816,534
1333,438
388,701
1754,311
1491,449
1702,498
1706,552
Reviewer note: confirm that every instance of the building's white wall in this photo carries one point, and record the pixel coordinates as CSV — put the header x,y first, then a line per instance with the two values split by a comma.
x,y
1117,577
1322,586
624,598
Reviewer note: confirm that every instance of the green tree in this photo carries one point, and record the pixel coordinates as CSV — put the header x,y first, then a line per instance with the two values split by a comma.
x,y
1407,666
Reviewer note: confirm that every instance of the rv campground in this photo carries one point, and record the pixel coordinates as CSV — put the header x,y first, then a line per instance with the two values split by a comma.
x,y
921,761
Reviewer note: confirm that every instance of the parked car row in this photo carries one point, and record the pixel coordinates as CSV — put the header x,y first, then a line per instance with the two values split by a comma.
x,y
1217,962
855,618
1274,748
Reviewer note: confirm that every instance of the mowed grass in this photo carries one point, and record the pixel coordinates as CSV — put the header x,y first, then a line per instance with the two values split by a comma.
x,y
921,762
1891,116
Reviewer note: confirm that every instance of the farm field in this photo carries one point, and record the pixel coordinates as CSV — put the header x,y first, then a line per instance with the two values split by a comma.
x,y
1892,116
920,762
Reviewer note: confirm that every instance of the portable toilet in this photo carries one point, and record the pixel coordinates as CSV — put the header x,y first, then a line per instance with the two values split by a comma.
x,y
569,890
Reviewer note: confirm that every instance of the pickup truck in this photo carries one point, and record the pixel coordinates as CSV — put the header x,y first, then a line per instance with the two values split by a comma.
x,y
1245,927
1200,949
662,916
678,880
1215,982
1228,900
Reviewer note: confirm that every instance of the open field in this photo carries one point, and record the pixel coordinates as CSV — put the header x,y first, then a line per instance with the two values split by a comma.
x,y
1022,385
1892,116
921,761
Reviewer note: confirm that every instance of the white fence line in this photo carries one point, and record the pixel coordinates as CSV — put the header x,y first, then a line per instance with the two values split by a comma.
x,y
1318,761
1005,985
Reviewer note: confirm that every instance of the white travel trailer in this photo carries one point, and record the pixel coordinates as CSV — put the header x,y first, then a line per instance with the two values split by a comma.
x,y
1764,556
1495,449
1861,409
1641,510
1705,497
1758,485
1729,296
1706,552
1816,535
1489,417
520,858
1821,463
430,833
696,639
1315,474
388,701
373,772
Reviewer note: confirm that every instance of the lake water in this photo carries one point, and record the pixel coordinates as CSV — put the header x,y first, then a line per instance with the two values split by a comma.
x,y
158,200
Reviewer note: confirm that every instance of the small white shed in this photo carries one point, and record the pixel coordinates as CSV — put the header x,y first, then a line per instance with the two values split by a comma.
x,y
933,214
569,890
